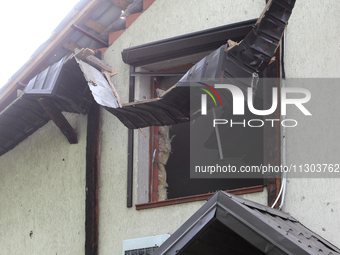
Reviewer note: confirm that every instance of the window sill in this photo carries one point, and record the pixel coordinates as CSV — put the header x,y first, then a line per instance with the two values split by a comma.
x,y
181,200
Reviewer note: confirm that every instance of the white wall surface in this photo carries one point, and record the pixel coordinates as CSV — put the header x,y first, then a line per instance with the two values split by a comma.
x,y
313,51
42,193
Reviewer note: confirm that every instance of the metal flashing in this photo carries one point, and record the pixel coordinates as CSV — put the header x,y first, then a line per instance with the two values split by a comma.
x,y
185,45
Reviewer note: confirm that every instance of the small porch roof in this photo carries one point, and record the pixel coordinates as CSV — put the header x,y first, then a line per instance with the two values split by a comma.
x,y
228,224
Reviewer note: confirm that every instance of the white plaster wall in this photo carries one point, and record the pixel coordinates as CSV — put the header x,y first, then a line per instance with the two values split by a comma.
x,y
164,19
313,40
312,51
42,189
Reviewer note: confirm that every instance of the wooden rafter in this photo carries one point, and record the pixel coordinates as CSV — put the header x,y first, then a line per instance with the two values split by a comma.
x,y
122,4
94,25
272,136
71,46
58,118
86,55
89,35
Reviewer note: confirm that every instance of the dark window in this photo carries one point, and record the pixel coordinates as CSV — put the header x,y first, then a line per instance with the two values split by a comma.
x,y
170,145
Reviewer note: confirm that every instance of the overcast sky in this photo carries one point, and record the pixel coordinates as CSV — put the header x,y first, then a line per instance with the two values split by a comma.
x,y
24,26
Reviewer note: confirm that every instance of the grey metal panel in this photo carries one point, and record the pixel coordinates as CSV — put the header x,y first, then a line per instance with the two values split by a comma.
x,y
63,82
99,86
39,84
106,14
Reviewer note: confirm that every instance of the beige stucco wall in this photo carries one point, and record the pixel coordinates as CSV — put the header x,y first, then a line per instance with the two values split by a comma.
x,y
312,51
42,191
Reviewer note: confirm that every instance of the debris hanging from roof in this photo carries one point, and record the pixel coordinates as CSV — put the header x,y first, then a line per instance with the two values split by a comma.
x,y
98,85
237,60
62,84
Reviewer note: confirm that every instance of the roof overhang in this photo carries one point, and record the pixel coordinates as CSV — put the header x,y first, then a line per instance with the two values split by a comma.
x,y
60,87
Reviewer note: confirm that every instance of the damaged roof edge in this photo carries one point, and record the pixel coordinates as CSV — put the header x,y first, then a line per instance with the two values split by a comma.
x,y
51,44
242,60
60,87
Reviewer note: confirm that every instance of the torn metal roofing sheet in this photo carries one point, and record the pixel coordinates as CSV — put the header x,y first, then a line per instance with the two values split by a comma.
x,y
98,85
65,38
239,62
172,109
229,224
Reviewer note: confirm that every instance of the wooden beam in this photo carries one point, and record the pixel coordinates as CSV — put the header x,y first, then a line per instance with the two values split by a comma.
x,y
71,46
58,118
92,170
83,53
108,78
122,4
89,35
96,62
94,25
92,60
68,30
272,135
195,198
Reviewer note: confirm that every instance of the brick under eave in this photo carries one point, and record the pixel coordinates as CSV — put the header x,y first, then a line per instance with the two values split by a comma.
x,y
128,21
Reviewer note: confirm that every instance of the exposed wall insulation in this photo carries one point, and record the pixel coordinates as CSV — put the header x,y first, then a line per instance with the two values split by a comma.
x,y
164,153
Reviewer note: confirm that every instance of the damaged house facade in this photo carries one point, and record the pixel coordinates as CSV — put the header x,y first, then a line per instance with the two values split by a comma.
x,y
96,131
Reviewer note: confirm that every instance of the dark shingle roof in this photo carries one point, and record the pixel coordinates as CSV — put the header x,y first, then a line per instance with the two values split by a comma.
x,y
228,223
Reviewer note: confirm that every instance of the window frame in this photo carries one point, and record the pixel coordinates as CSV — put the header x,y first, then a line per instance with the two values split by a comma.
x,y
172,49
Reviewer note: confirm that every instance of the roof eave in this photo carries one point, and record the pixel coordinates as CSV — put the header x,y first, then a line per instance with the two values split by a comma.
x,y
57,40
